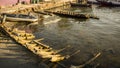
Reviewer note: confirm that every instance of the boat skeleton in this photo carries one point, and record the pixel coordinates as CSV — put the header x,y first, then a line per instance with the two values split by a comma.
x,y
36,47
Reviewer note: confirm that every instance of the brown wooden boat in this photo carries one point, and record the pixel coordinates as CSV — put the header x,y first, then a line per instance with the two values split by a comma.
x,y
80,5
72,14
35,46
115,3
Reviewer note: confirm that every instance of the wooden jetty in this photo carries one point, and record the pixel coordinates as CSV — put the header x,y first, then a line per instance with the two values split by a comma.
x,y
72,14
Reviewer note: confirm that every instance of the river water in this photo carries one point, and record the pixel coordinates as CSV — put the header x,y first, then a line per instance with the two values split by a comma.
x,y
90,36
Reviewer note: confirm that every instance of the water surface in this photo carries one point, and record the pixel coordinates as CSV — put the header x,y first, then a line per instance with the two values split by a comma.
x,y
90,36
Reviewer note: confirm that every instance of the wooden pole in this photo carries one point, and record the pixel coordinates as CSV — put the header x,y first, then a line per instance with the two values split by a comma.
x,y
3,20
41,44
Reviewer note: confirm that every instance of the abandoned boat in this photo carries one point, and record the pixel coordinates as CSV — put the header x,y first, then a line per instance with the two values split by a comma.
x,y
80,5
20,17
71,14
109,2
27,40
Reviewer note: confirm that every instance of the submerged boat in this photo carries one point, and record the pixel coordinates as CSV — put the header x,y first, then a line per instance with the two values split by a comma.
x,y
109,2
20,17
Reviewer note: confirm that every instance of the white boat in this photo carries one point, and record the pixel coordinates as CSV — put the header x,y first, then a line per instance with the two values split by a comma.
x,y
20,17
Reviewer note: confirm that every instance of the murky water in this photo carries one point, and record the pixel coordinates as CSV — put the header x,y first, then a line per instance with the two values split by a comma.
x,y
90,36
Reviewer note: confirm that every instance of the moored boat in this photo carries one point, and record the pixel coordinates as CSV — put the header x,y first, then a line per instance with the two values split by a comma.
x,y
71,14
93,2
20,17
109,2
80,5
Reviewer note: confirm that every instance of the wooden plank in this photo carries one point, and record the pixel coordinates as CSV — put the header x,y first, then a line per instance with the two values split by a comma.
x,y
43,45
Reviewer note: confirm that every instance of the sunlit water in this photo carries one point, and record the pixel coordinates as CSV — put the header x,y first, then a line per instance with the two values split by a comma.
x,y
90,36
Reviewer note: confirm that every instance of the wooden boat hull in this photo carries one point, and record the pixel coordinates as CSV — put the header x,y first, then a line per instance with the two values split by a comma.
x,y
72,14
109,3
80,5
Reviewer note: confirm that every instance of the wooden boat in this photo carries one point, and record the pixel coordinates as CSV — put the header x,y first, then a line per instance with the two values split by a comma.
x,y
109,2
35,46
92,2
80,5
20,17
72,14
